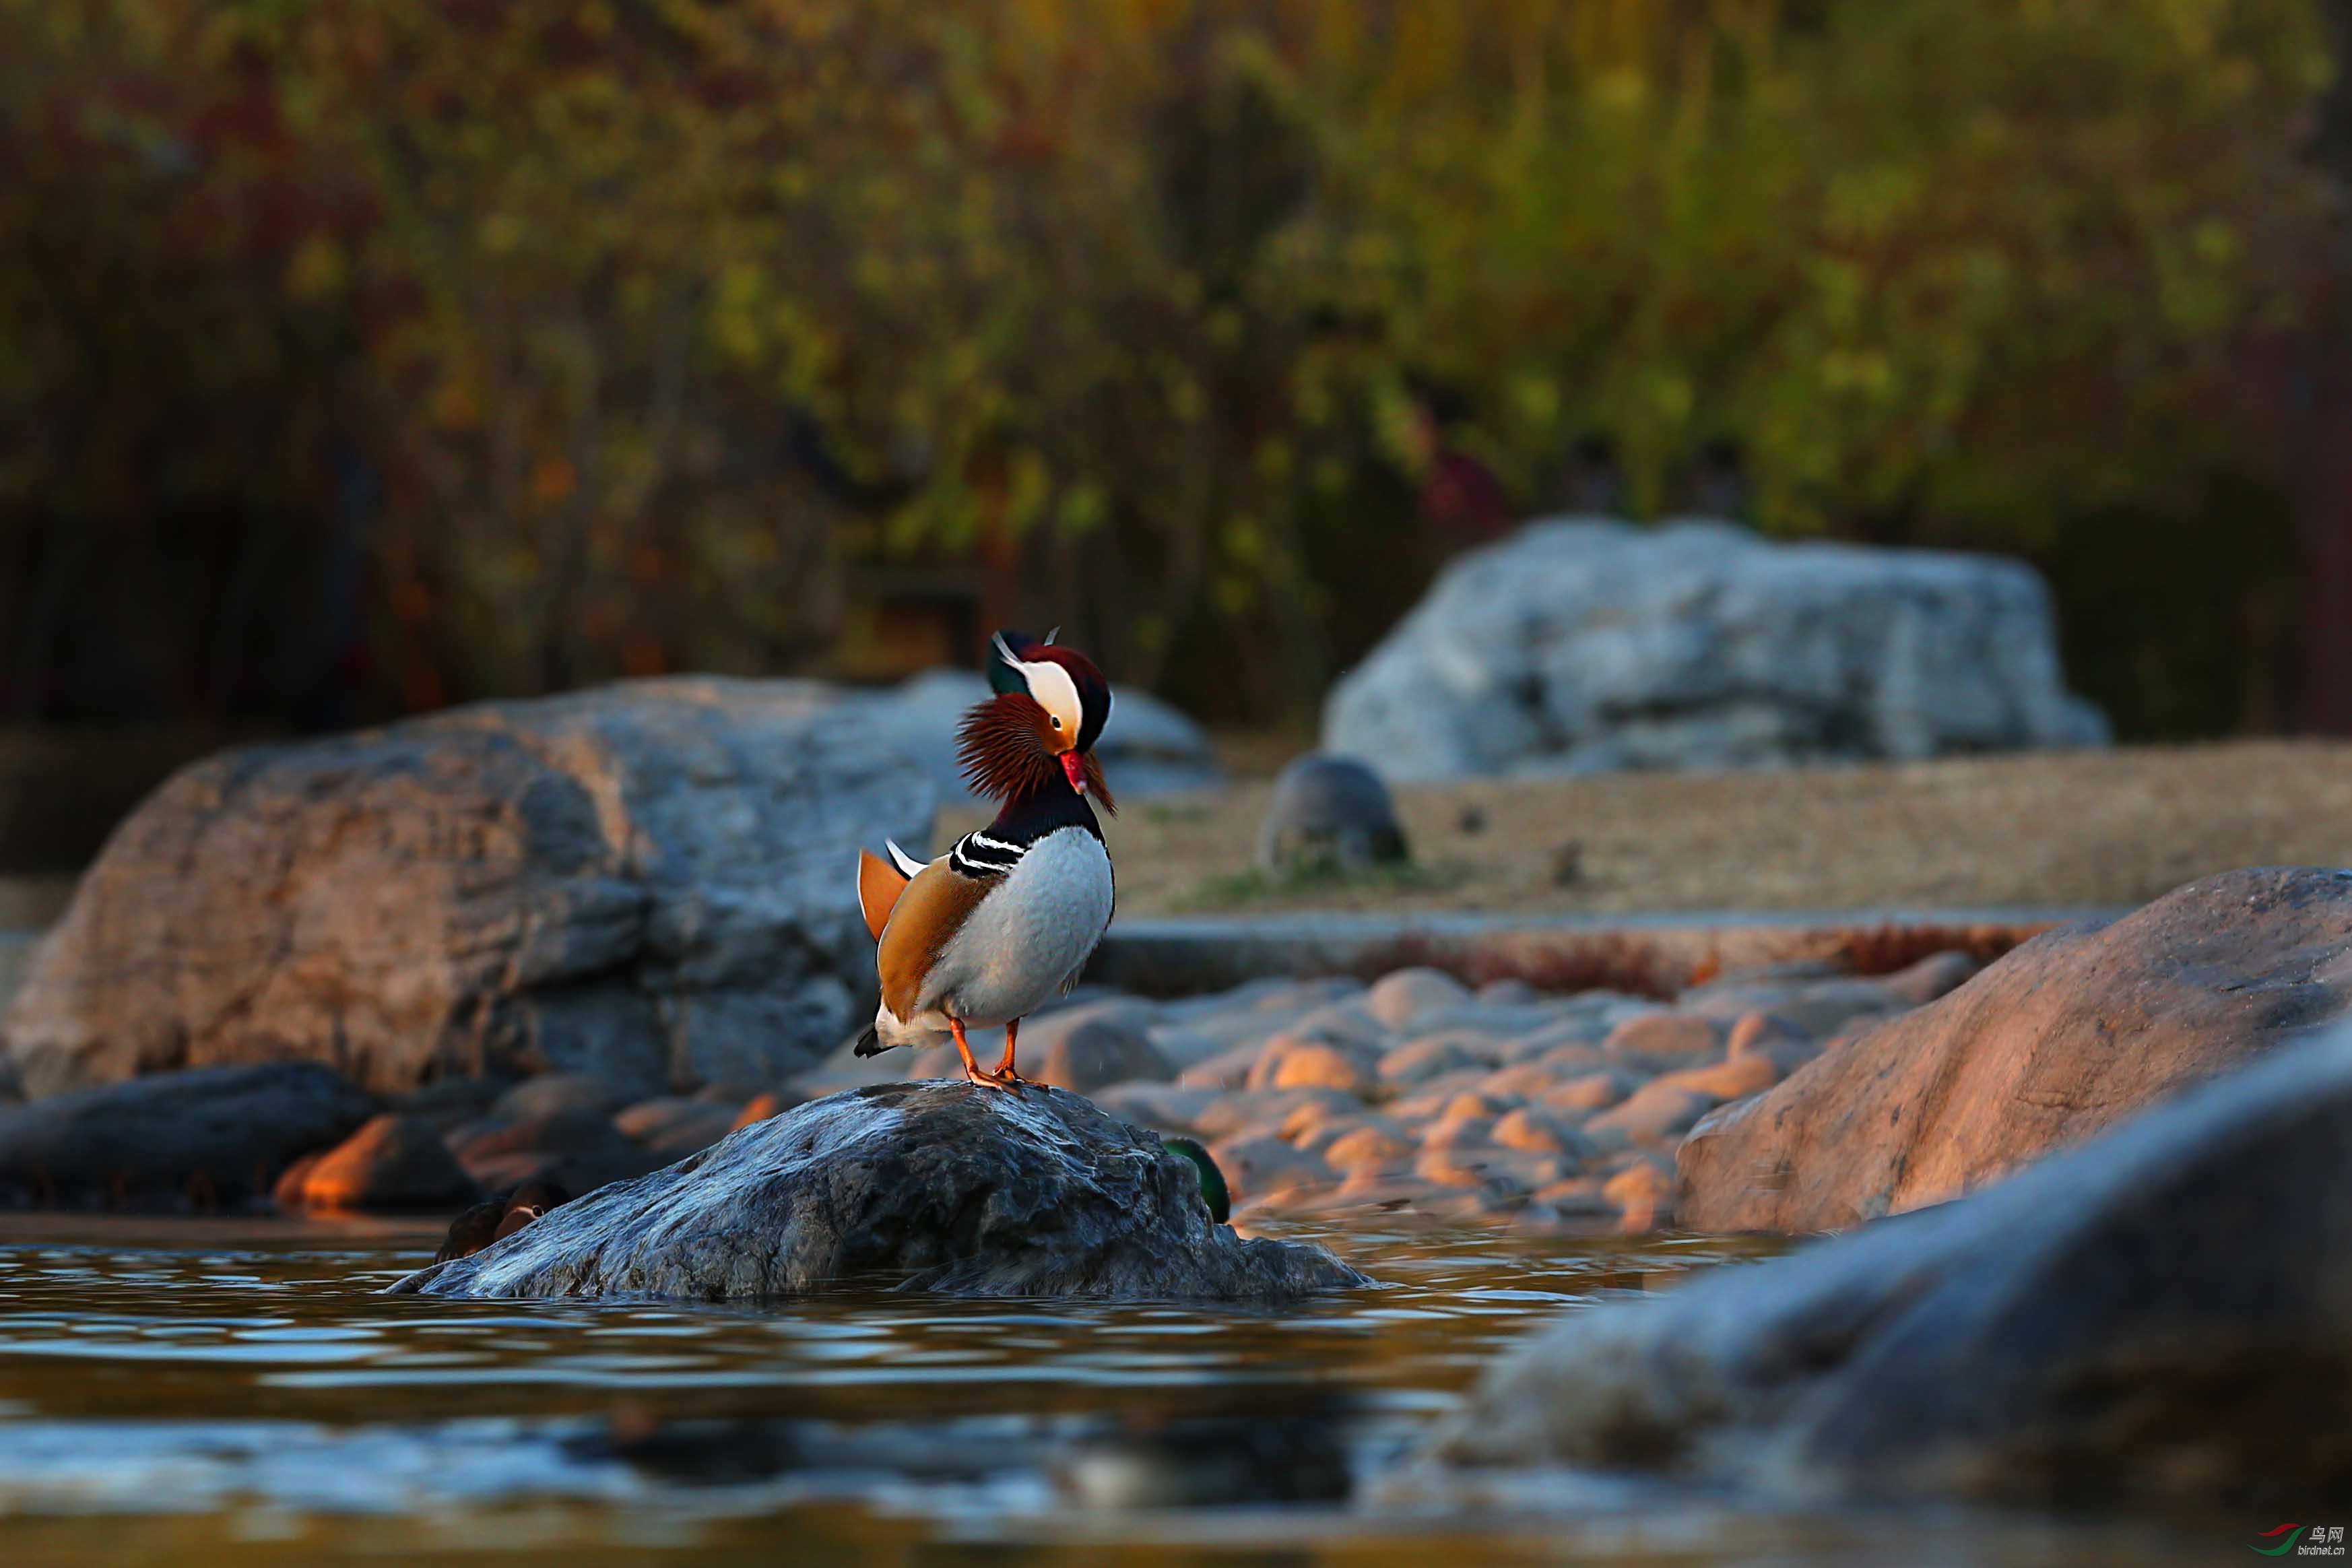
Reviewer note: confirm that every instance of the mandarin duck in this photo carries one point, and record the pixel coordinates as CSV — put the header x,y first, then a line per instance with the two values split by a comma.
x,y
1003,921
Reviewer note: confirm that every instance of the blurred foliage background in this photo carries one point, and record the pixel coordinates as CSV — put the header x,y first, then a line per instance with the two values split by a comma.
x,y
358,356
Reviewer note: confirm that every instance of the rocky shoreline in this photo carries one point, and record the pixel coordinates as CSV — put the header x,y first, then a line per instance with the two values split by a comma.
x,y
1790,1097
1412,1097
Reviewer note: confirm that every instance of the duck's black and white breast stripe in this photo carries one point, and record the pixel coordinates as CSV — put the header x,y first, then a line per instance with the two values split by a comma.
x,y
982,854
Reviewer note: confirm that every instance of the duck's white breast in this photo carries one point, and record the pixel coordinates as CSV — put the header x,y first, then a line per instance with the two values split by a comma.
x,y
1025,941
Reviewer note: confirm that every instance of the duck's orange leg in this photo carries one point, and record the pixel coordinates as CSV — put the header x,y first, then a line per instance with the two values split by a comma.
x,y
971,1065
1004,1073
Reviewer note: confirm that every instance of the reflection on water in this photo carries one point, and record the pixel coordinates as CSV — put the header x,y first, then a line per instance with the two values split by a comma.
x,y
187,1393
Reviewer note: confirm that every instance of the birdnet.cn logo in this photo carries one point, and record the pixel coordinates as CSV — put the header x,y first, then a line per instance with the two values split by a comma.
x,y
2303,1541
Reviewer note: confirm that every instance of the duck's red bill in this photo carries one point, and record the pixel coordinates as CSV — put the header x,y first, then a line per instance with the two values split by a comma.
x,y
1077,770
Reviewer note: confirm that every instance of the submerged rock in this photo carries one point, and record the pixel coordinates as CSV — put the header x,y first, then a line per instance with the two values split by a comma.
x,y
933,1185
215,1138
2061,1039
2162,1316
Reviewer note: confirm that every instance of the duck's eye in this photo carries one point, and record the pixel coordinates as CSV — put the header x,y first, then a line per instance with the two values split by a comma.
x,y
1057,721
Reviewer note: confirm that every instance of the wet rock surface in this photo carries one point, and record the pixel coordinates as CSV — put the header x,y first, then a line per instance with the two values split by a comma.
x,y
2162,1317
208,1140
935,1185
642,881
2061,1039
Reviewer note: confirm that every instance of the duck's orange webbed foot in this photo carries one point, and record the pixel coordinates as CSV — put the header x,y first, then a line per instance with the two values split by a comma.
x,y
1004,1073
971,1068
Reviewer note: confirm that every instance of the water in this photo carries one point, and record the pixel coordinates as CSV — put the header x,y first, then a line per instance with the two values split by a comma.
x,y
194,1393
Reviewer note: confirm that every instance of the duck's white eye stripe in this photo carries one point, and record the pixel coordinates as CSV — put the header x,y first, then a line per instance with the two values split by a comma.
x,y
1055,692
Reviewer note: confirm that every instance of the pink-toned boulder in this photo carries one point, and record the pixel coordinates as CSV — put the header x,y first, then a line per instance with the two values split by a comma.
x,y
1532,1131
1369,1148
2066,1035
1432,1055
1291,1063
1733,1079
1589,1091
1666,1039
1656,1112
1643,1193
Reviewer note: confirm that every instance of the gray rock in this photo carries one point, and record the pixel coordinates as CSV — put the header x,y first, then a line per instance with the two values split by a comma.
x,y
559,1094
1399,998
1658,1110
1433,1055
1148,747
1168,1107
1590,1093
451,1102
2161,1317
1100,1052
649,881
579,1148
1582,646
1330,812
938,1186
393,1165
1228,1068
214,1138
675,1126
1268,994
1268,1110
1181,1047
650,1120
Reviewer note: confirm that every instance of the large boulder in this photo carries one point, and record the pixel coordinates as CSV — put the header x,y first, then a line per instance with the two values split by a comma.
x,y
938,1185
649,881
2064,1036
2162,1317
1582,645
1147,748
213,1139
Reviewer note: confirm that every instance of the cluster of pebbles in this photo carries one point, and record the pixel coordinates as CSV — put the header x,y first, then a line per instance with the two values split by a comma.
x,y
1416,1093
1327,1096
